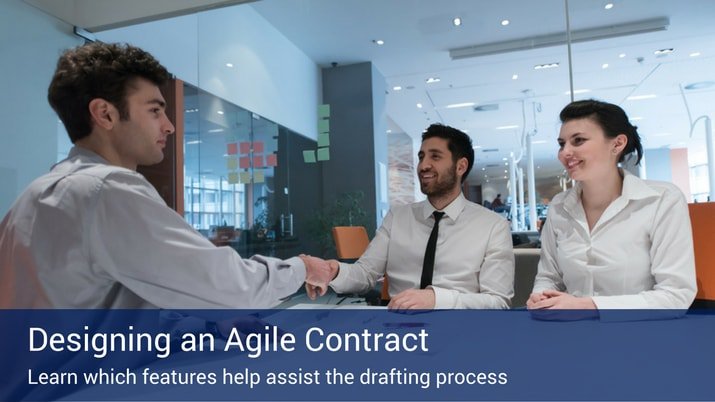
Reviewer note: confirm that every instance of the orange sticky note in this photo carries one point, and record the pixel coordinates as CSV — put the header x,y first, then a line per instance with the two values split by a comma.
x,y
272,160
258,161
244,162
232,148
245,147
258,147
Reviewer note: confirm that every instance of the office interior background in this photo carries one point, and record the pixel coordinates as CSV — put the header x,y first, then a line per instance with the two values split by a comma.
x,y
261,155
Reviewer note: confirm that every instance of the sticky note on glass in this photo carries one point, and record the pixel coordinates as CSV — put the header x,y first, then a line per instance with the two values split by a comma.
x,y
323,126
232,148
258,147
245,147
244,162
272,160
258,176
244,177
258,161
323,111
233,178
232,163
323,140
309,156
323,154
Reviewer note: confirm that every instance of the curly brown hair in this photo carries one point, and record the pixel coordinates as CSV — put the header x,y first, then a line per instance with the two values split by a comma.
x,y
98,70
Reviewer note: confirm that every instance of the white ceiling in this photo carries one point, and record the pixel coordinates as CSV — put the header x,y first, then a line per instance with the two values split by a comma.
x,y
419,33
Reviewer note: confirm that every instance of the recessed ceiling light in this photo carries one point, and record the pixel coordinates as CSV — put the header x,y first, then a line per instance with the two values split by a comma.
x,y
431,80
457,21
515,77
608,6
220,112
578,91
695,54
622,55
458,105
663,51
419,106
507,127
378,42
389,131
506,164
545,66
700,85
539,142
397,88
229,65
637,118
503,159
604,66
193,142
641,97
216,130
504,22
476,147
484,169
506,171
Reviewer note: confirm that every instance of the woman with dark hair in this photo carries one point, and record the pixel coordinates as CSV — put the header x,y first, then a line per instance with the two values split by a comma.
x,y
613,241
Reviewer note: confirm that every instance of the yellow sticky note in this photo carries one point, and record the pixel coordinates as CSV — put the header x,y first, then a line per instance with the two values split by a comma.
x,y
258,176
309,156
232,163
323,111
323,154
245,177
323,126
233,178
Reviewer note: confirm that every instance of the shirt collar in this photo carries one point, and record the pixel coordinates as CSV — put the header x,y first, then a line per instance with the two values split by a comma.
x,y
452,210
86,155
634,188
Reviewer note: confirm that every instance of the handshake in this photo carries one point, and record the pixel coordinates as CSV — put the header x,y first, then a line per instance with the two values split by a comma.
x,y
318,274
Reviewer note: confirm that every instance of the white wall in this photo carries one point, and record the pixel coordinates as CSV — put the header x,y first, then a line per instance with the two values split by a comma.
x,y
270,75
30,43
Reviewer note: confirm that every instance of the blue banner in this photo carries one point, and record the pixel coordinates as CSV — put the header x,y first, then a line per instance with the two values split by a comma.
x,y
354,355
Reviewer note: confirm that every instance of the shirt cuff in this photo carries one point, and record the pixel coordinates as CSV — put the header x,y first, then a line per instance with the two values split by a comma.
x,y
339,283
443,298
298,268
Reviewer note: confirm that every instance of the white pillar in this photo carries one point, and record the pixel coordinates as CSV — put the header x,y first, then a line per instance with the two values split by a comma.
x,y
512,191
532,183
522,216
711,156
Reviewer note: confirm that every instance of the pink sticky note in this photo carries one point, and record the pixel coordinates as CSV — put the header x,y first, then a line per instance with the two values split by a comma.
x,y
258,161
232,148
244,162
272,160
258,147
245,147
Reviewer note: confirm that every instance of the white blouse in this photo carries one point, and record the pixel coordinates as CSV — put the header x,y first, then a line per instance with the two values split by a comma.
x,y
639,254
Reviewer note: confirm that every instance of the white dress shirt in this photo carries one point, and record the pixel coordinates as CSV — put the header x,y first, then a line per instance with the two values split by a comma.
x,y
474,261
639,254
92,235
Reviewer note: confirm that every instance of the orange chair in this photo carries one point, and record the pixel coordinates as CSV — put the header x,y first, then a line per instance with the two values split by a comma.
x,y
350,243
702,221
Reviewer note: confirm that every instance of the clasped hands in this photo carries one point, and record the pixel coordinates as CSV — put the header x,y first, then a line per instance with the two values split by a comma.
x,y
319,273
555,300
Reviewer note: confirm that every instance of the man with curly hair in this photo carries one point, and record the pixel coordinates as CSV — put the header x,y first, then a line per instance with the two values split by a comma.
x,y
93,233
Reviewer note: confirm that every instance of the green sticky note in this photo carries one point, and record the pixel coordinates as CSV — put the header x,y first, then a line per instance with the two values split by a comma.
x,y
233,178
309,156
245,177
232,163
323,140
323,154
323,126
323,111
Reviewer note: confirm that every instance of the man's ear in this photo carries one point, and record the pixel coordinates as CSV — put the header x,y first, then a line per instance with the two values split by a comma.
x,y
462,164
103,113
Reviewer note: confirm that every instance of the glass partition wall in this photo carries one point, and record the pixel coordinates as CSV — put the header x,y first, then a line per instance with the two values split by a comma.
x,y
236,182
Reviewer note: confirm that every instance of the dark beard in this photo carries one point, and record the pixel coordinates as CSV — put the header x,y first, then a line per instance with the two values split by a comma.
x,y
442,187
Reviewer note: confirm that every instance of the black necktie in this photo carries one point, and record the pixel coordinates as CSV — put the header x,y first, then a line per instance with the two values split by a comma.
x,y
428,264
